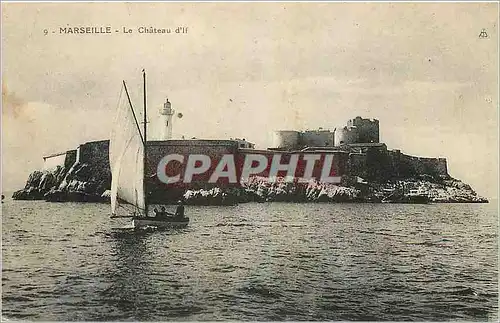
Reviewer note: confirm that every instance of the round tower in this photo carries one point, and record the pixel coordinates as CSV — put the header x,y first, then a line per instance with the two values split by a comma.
x,y
285,139
346,135
166,114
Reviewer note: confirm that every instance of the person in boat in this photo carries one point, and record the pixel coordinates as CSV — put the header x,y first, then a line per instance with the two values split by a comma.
x,y
165,213
179,212
161,213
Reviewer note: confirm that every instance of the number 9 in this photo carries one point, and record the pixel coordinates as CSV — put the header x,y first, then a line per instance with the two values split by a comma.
x,y
45,32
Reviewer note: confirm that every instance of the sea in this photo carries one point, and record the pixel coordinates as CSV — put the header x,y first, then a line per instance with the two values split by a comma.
x,y
252,262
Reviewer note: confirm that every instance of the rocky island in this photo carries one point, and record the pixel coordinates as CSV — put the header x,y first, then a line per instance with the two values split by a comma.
x,y
88,183
370,173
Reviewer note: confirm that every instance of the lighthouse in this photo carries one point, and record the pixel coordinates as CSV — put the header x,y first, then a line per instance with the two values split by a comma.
x,y
166,114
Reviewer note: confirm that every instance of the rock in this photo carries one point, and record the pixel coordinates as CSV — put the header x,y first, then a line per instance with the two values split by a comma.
x,y
313,191
447,191
214,196
106,194
87,182
80,183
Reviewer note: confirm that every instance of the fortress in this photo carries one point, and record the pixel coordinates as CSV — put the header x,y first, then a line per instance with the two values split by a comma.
x,y
353,153
368,157
355,149
356,131
357,144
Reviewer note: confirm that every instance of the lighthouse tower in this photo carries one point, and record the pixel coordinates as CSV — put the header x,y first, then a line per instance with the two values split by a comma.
x,y
166,114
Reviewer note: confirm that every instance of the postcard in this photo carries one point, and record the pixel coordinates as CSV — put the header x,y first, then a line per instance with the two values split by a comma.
x,y
278,161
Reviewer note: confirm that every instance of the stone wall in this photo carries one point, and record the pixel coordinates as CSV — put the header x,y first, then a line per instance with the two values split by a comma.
x,y
70,158
53,161
316,138
377,163
408,166
156,150
215,149
95,152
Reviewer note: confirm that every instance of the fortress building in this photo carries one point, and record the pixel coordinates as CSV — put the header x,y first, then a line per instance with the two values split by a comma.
x,y
368,157
367,129
357,131
355,151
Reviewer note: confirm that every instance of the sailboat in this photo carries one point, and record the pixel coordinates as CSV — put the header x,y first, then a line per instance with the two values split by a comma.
x,y
128,161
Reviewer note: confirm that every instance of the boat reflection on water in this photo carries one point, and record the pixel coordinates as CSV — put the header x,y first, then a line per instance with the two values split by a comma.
x,y
161,222
136,284
130,274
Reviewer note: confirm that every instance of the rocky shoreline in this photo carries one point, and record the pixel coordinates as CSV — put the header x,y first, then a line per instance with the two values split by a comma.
x,y
82,182
90,183
260,190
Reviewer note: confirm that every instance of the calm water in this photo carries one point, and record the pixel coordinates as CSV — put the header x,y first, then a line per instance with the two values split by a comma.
x,y
252,262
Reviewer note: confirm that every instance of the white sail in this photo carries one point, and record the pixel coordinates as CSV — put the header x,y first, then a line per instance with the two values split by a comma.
x,y
126,152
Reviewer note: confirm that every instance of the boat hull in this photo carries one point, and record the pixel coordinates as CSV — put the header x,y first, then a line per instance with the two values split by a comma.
x,y
159,223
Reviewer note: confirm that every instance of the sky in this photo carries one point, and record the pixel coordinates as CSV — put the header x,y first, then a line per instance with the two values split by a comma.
x,y
247,69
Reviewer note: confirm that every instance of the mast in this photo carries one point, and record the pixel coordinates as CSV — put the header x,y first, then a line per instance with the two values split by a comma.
x,y
145,146
132,109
